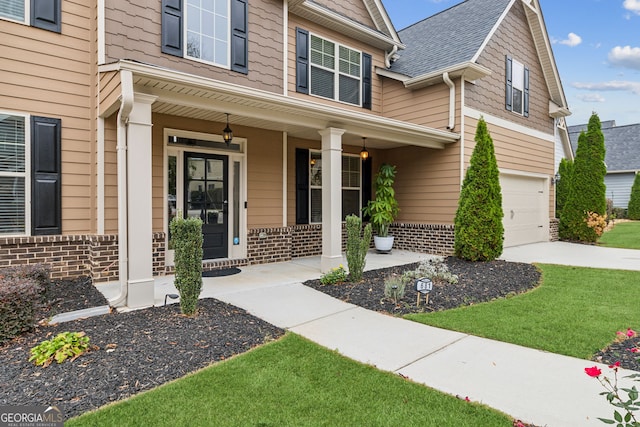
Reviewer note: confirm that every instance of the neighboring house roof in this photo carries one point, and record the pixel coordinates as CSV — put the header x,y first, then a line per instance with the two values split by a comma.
x,y
622,144
455,38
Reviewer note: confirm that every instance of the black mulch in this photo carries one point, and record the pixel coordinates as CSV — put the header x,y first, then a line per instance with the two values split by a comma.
x,y
621,352
135,351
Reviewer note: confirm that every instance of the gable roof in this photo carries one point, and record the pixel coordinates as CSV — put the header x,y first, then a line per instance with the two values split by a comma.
x,y
622,144
455,38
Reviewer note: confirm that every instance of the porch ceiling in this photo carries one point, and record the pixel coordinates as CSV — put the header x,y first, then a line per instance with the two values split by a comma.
x,y
192,96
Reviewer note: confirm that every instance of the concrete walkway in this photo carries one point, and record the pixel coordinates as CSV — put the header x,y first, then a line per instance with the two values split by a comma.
x,y
533,386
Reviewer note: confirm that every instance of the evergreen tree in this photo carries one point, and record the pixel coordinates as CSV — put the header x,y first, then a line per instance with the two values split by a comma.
x,y
479,232
634,201
586,188
565,170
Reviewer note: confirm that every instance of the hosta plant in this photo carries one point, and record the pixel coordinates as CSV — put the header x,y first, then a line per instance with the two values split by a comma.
x,y
66,345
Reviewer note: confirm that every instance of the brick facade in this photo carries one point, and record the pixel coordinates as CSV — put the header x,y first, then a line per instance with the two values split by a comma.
x,y
554,235
436,239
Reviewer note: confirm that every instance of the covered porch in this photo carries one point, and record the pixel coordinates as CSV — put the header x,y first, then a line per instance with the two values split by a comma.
x,y
163,119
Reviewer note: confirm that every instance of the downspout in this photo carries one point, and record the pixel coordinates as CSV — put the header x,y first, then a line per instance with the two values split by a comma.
x,y
126,85
388,57
452,100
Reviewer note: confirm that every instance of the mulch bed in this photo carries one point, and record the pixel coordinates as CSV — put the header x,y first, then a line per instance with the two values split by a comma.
x,y
139,350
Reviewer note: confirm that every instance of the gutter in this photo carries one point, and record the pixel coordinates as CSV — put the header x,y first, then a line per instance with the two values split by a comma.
x,y
452,100
126,105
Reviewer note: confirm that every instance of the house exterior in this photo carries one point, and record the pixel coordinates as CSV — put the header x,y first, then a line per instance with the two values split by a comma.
x,y
622,158
112,122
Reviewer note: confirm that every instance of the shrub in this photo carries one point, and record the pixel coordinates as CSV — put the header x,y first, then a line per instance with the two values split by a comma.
x,y
587,189
394,288
22,292
618,213
384,209
65,345
186,239
478,232
596,222
434,269
633,210
357,246
336,275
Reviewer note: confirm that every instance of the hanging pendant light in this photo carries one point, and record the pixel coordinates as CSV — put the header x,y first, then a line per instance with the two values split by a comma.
x,y
227,133
364,154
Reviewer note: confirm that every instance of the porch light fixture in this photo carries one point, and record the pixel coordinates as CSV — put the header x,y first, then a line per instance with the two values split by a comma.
x,y
364,154
556,178
227,133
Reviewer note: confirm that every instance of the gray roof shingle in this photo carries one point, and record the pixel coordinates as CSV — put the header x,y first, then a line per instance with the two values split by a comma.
x,y
621,142
450,37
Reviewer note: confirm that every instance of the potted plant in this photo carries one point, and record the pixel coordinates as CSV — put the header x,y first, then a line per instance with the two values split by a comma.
x,y
382,211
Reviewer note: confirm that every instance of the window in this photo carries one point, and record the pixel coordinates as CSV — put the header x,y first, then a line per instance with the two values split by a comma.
x,y
351,189
44,14
517,87
13,174
335,71
212,31
208,31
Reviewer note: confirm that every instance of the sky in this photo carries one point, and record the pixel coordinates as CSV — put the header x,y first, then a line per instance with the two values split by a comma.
x,y
596,44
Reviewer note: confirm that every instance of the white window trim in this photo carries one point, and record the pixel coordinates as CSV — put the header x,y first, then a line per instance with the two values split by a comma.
x,y
336,71
26,174
186,55
27,14
342,188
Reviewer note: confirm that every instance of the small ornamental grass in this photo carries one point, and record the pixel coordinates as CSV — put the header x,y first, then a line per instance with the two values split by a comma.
x,y
66,345
395,288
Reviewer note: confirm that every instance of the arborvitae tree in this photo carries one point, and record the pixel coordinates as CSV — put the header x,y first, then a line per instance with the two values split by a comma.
x,y
634,201
586,187
479,233
565,170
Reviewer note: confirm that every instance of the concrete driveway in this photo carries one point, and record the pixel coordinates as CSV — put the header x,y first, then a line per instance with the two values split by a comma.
x,y
574,254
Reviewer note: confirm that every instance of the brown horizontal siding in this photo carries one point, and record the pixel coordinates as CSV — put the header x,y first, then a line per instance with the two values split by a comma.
x,y
48,74
377,60
133,31
513,38
109,91
110,176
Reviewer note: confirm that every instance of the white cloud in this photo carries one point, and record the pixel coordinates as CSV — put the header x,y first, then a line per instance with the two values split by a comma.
x,y
626,56
591,97
632,5
572,40
614,85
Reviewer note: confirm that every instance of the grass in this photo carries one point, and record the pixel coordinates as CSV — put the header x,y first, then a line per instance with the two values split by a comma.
x,y
624,235
576,312
292,382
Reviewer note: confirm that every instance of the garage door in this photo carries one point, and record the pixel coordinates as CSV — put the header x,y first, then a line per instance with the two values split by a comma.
x,y
525,203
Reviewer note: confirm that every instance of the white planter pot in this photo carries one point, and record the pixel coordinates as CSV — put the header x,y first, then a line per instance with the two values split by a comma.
x,y
383,244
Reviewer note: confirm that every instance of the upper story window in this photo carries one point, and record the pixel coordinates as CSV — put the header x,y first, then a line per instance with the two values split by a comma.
x,y
335,71
212,31
208,31
517,87
331,70
46,15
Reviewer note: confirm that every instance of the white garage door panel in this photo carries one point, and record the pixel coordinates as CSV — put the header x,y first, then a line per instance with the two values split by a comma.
x,y
524,202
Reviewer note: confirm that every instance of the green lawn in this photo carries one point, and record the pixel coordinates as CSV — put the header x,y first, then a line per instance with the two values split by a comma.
x,y
624,235
292,382
576,312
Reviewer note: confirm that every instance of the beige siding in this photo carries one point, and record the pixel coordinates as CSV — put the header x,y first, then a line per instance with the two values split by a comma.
x,y
133,31
427,106
49,74
512,38
110,175
355,10
109,92
515,151
377,59
427,183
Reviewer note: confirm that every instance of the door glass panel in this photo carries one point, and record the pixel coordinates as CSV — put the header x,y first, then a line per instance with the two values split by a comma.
x,y
195,200
215,203
195,168
172,170
236,203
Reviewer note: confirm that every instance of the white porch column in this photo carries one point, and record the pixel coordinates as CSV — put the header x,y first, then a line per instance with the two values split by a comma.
x,y
331,198
139,216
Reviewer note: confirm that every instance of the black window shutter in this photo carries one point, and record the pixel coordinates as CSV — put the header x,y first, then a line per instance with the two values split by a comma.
x,y
172,22
367,178
366,81
239,41
509,88
525,101
46,192
46,14
302,61
302,186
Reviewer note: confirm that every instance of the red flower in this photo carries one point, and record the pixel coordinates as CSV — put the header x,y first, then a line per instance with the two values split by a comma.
x,y
615,365
593,372
634,350
631,333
